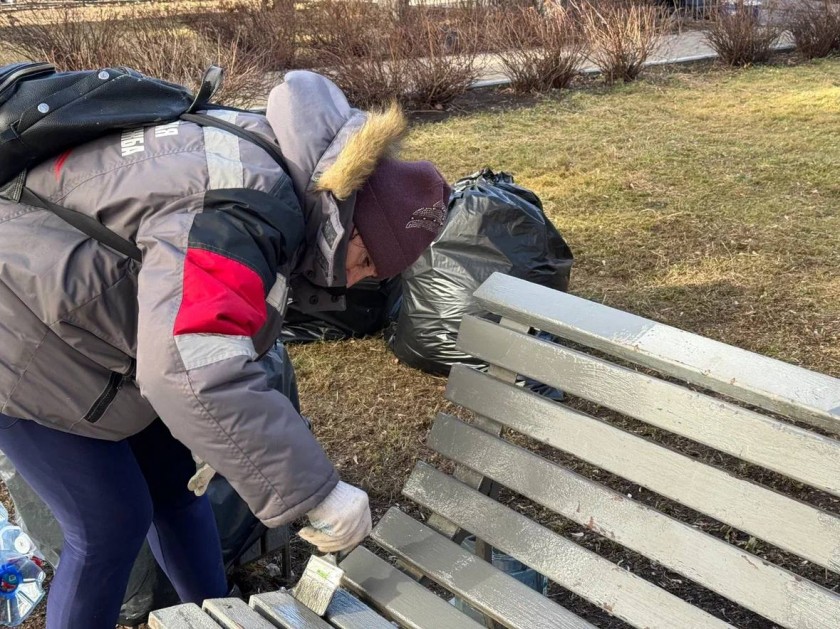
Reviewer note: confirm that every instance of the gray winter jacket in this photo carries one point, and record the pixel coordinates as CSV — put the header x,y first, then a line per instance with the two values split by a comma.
x,y
98,345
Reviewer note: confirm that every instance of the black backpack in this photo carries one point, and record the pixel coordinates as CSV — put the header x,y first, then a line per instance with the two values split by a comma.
x,y
44,112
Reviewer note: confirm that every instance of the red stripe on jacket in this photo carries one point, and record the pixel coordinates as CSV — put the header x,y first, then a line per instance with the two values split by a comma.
x,y
59,163
221,296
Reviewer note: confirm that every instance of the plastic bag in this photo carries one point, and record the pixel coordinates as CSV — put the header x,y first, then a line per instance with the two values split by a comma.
x,y
493,225
33,516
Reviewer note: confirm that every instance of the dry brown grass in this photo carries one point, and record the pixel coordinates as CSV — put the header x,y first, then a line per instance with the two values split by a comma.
x,y
379,410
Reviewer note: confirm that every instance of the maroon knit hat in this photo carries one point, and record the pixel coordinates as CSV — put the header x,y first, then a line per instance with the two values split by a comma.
x,y
399,211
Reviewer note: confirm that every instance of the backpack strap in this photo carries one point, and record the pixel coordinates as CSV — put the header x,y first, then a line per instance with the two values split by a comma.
x,y
85,224
96,230
210,84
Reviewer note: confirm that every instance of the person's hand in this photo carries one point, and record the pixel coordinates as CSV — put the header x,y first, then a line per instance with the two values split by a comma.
x,y
200,481
340,522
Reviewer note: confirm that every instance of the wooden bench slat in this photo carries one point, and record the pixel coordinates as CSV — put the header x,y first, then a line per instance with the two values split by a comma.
x,y
485,588
348,612
724,568
283,610
795,452
600,581
467,476
399,596
234,613
187,616
771,384
789,524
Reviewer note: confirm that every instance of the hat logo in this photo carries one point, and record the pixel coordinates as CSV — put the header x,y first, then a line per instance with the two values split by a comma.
x,y
429,218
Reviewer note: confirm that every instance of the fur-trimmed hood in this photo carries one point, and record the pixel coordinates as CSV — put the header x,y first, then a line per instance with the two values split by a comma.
x,y
330,149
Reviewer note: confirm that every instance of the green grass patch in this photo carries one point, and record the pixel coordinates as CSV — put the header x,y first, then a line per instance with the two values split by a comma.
x,y
709,202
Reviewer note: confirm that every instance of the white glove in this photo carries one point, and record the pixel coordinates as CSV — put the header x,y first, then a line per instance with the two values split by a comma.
x,y
200,481
340,522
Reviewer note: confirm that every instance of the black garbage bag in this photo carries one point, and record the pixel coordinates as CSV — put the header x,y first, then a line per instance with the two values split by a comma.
x,y
370,308
493,225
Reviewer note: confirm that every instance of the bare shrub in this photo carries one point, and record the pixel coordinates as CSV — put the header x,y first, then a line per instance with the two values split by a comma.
x,y
540,51
622,34
815,26
170,51
158,45
741,32
441,56
376,56
268,30
356,44
57,36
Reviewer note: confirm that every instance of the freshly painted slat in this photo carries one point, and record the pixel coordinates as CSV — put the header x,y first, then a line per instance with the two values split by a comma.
x,y
487,589
779,446
348,612
187,616
468,477
768,383
792,525
612,588
283,610
234,613
777,594
398,596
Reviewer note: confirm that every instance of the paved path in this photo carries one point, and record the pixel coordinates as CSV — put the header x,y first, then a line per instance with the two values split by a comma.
x,y
682,47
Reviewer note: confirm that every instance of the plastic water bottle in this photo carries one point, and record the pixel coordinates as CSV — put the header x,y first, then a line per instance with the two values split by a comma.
x,y
21,573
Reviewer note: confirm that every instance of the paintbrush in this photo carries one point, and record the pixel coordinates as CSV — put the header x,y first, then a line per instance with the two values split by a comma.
x,y
319,582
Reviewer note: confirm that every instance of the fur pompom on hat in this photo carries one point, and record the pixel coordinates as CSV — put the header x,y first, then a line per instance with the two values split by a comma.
x,y
399,211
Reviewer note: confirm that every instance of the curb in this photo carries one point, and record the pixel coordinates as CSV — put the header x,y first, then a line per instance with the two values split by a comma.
x,y
591,71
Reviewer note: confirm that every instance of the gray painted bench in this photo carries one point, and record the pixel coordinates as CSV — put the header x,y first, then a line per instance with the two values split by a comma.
x,y
598,360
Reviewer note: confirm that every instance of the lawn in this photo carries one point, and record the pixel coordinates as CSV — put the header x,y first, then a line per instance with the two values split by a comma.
x,y
709,200
703,198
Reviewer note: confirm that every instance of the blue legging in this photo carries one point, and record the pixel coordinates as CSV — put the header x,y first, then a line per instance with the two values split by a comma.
x,y
107,497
